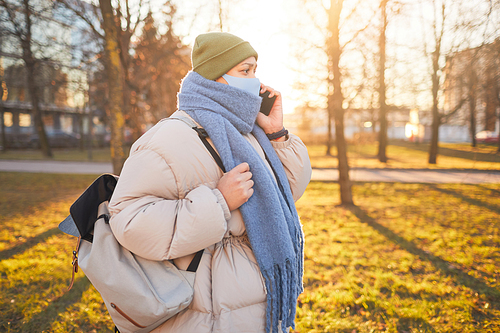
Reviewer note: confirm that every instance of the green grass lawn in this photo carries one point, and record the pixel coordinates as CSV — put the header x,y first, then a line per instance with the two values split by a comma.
x,y
408,155
409,258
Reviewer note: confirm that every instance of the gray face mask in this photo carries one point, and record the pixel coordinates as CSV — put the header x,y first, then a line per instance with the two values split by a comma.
x,y
251,85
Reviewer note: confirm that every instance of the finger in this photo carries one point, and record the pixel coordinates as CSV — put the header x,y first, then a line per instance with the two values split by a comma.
x,y
262,88
275,93
246,185
267,88
246,175
242,167
243,178
271,92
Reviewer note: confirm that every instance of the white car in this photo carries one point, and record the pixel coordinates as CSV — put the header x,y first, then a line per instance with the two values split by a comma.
x,y
487,137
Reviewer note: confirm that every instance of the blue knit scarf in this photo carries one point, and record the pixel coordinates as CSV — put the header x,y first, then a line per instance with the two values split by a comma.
x,y
270,215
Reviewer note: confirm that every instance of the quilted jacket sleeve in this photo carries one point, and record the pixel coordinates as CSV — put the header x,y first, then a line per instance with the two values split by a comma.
x,y
149,218
295,159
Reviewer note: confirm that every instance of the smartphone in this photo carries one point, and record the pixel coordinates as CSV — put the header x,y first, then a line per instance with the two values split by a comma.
x,y
267,103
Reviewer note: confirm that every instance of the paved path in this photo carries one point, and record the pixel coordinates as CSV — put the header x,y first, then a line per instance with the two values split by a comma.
x,y
412,176
55,167
360,174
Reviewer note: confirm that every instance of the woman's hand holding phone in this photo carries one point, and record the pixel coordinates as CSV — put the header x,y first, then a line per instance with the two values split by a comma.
x,y
274,121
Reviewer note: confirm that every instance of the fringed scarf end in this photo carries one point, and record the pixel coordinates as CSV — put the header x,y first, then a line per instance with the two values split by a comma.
x,y
283,285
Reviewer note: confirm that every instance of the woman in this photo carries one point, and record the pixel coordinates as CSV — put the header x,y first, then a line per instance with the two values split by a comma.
x,y
173,200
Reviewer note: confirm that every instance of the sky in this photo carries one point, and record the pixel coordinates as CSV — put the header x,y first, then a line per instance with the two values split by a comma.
x,y
262,23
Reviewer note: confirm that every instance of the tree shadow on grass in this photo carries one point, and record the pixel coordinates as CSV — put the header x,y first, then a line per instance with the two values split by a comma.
x,y
442,265
30,242
407,324
487,188
467,199
42,320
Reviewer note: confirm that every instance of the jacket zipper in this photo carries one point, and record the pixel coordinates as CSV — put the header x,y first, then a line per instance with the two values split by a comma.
x,y
113,305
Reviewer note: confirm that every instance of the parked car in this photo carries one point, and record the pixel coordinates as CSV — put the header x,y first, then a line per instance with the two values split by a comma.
x,y
487,137
57,139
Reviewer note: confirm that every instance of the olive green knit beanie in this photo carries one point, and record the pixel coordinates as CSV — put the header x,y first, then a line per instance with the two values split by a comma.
x,y
215,53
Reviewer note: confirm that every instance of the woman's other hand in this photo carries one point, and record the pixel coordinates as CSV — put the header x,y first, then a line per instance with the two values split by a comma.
x,y
236,186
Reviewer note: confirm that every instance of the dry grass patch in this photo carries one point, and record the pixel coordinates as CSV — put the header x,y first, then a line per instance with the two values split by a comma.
x,y
410,258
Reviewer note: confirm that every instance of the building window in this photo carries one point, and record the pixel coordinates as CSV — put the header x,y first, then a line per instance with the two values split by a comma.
x,y
24,120
7,119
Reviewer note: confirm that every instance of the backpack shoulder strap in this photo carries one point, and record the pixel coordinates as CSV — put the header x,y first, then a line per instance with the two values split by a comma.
x,y
203,135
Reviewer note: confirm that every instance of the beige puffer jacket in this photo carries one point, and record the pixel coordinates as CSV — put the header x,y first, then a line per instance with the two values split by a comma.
x,y
166,206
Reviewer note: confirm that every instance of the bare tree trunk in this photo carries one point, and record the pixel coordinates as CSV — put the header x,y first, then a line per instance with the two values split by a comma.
x,y
2,112
436,117
491,101
382,139
497,95
329,142
115,85
3,98
220,16
29,60
498,150
2,128
472,110
335,102
80,130
37,113
472,102
373,113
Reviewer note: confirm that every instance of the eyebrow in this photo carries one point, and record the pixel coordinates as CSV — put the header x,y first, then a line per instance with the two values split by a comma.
x,y
249,64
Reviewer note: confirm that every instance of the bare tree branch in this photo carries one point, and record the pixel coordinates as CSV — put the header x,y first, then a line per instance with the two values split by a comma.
x,y
358,32
80,12
446,117
12,18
